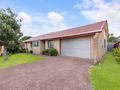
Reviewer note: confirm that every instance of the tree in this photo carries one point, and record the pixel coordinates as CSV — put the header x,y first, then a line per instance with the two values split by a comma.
x,y
9,28
25,38
111,38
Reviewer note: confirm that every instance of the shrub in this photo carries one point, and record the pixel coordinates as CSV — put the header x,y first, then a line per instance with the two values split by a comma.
x,y
50,52
116,53
45,52
117,59
13,48
22,51
31,51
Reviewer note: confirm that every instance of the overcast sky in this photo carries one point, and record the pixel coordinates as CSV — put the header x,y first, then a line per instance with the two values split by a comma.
x,y
43,16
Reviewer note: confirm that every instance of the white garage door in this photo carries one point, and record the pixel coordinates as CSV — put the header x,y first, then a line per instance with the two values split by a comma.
x,y
77,47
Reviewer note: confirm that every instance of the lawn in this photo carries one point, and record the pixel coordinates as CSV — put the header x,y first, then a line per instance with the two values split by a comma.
x,y
106,74
19,58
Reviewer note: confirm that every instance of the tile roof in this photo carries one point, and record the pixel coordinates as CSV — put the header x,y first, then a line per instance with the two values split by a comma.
x,y
83,30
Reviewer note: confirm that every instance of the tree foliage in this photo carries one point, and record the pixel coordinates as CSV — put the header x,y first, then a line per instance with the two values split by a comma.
x,y
9,28
112,38
25,38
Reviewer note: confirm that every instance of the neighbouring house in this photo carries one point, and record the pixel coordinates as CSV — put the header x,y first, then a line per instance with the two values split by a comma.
x,y
117,43
110,46
89,41
1,50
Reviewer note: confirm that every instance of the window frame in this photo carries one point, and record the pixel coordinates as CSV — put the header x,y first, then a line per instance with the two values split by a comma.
x,y
105,43
50,44
35,43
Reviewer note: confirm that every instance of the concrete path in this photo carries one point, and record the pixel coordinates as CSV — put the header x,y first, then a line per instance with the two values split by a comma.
x,y
53,73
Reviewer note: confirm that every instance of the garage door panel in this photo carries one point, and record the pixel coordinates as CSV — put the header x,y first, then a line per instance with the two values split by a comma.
x,y
78,47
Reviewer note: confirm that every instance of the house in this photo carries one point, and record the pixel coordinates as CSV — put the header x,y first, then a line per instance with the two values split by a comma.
x,y
110,46
117,43
89,41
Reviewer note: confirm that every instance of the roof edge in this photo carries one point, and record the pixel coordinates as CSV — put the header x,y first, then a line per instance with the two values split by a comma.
x,y
95,31
105,22
76,34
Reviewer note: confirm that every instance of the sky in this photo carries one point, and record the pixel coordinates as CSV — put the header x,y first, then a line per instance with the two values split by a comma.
x,y
44,16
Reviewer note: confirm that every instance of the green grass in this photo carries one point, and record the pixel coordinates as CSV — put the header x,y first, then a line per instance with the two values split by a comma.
x,y
106,74
19,58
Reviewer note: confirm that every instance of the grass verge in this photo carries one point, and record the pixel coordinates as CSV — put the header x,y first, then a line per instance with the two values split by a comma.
x,y
106,74
19,58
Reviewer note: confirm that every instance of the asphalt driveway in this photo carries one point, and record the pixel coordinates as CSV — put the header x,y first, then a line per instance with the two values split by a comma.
x,y
53,73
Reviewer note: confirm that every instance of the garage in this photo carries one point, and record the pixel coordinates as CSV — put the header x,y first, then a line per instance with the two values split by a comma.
x,y
76,47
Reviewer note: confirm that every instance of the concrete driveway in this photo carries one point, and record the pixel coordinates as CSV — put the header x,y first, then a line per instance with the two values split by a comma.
x,y
53,73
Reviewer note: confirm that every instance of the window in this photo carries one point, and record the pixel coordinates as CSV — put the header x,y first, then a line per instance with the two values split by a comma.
x,y
104,43
50,44
35,43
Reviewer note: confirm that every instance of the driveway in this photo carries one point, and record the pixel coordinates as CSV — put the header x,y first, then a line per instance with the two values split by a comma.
x,y
53,73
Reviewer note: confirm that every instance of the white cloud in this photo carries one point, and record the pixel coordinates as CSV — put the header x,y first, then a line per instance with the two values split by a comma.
x,y
37,25
98,10
55,17
56,20
24,17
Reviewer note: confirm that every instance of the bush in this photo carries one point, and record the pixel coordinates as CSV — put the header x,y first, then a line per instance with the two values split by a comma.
x,y
50,52
117,59
31,51
45,52
13,48
116,53
22,51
